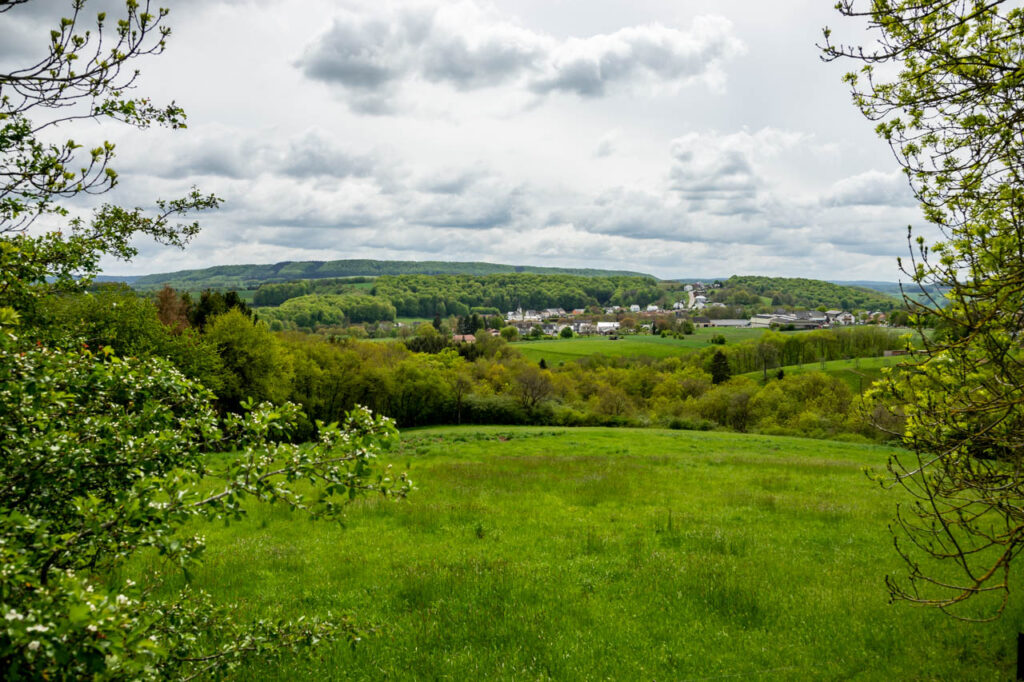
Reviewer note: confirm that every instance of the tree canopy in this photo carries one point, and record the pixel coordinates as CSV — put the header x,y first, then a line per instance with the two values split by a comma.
x,y
944,85
102,455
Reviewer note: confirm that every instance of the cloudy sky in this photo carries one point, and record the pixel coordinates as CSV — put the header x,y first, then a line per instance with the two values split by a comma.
x,y
690,138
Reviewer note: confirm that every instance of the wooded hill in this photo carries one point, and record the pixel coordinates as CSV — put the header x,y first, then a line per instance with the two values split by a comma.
x,y
802,293
251,276
426,295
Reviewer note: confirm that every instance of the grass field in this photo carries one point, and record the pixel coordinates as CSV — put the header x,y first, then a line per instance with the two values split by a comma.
x,y
598,554
554,351
858,374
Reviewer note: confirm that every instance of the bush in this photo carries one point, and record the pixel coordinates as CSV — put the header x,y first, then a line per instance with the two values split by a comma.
x,y
493,409
689,424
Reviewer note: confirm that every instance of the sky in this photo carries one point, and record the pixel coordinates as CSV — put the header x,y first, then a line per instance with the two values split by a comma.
x,y
681,139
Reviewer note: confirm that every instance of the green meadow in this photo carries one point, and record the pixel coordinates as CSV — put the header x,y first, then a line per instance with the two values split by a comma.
x,y
602,554
857,373
554,351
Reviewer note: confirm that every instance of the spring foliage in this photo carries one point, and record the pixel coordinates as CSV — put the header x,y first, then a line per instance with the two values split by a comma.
x,y
101,456
947,101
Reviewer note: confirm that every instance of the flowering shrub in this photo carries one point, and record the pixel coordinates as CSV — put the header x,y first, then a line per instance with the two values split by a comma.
x,y
100,458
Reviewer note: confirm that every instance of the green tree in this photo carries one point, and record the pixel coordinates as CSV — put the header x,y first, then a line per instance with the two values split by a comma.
x,y
254,363
102,460
566,333
948,103
532,386
101,457
720,371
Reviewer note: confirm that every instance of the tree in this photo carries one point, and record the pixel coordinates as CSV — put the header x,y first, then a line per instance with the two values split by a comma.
x,y
720,371
948,104
171,310
100,456
85,75
566,333
256,366
768,354
532,386
89,482
214,303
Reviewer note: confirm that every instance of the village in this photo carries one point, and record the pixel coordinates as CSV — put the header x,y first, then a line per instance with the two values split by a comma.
x,y
696,309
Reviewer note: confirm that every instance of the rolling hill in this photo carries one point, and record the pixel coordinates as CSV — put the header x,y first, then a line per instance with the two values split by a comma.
x,y
251,276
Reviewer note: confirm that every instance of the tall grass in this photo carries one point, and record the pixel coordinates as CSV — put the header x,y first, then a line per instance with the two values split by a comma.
x,y
619,554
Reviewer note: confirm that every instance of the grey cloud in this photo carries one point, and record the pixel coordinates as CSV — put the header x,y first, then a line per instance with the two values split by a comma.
x,y
605,147
476,203
211,156
361,55
724,184
728,175
587,67
450,183
314,155
722,175
494,60
629,213
872,188
464,47
475,215
231,154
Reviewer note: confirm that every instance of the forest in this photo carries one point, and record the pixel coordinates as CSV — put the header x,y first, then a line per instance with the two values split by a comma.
x,y
218,341
252,276
802,293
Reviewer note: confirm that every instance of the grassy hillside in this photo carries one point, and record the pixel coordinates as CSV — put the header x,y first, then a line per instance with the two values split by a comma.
x,y
554,351
251,276
858,374
604,554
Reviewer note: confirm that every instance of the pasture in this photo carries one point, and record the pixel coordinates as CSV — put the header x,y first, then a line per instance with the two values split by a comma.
x,y
554,351
618,554
857,373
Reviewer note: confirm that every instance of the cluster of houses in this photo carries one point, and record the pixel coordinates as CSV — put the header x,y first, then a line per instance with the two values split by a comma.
x,y
554,320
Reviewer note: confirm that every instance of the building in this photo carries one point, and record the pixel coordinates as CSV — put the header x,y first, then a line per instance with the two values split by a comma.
x,y
788,320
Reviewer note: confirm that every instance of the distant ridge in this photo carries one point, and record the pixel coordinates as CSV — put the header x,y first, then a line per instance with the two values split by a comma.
x,y
251,276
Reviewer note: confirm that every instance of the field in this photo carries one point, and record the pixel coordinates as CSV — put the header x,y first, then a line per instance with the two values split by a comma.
x,y
569,554
858,374
554,351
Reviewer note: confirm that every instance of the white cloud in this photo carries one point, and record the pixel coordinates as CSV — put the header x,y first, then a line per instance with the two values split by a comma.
x,y
371,54
871,188
575,133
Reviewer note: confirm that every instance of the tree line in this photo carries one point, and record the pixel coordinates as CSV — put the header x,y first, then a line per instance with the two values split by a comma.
x,y
429,379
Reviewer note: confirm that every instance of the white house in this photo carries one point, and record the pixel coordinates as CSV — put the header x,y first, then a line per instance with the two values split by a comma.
x,y
634,308
652,308
607,327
